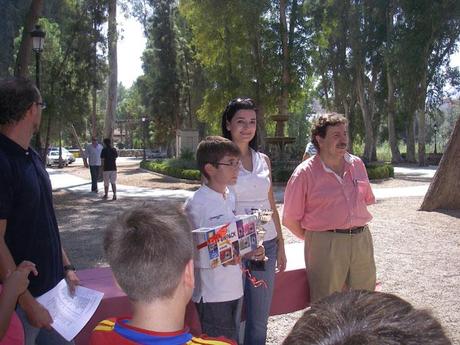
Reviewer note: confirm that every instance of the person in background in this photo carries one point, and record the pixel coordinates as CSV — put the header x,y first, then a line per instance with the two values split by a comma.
x,y
156,273
109,168
253,190
15,284
325,203
366,318
28,226
310,151
93,160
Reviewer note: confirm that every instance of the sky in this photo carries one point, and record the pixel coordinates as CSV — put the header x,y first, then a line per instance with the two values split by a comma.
x,y
129,50
132,44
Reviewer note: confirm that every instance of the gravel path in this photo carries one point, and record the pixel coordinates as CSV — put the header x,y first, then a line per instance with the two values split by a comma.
x,y
417,253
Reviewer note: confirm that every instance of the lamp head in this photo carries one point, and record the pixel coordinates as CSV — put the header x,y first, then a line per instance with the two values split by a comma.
x,y
38,39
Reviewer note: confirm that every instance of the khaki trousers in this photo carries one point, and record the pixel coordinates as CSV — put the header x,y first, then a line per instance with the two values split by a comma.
x,y
335,261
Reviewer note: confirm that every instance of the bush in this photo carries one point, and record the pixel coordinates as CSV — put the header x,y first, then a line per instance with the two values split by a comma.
x,y
181,163
377,171
165,169
187,155
280,174
186,169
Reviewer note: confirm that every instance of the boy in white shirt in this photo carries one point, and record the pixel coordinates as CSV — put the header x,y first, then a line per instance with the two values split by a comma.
x,y
218,291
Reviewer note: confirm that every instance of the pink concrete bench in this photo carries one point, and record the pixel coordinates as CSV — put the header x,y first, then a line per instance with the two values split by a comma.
x,y
291,293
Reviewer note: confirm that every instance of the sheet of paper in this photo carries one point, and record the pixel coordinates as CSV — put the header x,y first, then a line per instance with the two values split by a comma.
x,y
70,313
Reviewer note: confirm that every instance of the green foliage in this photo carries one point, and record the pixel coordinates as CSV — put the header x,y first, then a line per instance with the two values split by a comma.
x,y
130,111
159,86
281,174
181,163
187,155
377,171
238,44
169,169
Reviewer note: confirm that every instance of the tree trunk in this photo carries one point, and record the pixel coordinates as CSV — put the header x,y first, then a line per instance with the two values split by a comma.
x,y
367,115
25,48
421,137
284,100
392,140
261,131
376,130
94,112
410,156
444,191
421,119
349,115
77,140
391,102
113,71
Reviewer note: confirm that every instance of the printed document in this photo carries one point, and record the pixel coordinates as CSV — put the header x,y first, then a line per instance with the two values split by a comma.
x,y
70,313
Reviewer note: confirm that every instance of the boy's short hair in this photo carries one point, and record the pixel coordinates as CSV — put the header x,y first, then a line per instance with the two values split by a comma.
x,y
366,318
212,149
148,248
322,122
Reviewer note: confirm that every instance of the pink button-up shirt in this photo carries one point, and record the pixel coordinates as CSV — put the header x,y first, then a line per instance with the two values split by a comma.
x,y
321,200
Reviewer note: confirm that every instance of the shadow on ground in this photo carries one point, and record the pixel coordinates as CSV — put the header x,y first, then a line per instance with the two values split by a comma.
x,y
83,219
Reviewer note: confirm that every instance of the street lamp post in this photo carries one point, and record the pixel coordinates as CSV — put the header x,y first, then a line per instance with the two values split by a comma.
x,y
38,39
143,130
435,128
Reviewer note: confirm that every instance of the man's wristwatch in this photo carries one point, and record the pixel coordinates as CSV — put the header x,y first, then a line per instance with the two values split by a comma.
x,y
69,268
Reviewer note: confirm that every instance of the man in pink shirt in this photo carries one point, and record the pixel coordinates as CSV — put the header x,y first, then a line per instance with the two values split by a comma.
x,y
325,203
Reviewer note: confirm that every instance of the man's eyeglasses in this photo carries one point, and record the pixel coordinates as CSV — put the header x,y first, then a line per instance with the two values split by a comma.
x,y
42,104
233,164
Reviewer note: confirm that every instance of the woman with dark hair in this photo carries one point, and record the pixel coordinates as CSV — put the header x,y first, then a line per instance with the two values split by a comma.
x,y
253,190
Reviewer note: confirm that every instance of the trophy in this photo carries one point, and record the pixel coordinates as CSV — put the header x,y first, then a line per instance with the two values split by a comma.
x,y
263,217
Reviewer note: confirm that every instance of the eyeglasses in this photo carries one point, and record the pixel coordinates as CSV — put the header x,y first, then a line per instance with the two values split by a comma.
x,y
42,104
233,164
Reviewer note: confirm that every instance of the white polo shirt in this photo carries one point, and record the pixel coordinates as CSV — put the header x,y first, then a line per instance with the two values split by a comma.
x,y
93,154
207,207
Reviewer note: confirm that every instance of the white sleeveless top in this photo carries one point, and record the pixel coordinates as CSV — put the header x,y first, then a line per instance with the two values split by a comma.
x,y
251,190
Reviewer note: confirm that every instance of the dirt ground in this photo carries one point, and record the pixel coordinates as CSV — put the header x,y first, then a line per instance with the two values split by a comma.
x,y
417,253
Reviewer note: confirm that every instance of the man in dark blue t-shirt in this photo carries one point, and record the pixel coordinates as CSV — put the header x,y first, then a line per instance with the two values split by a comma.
x,y
28,226
109,168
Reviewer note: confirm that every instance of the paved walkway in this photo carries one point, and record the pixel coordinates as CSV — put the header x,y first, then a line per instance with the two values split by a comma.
x,y
62,180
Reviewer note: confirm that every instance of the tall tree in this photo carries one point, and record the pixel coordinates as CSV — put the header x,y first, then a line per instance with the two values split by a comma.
x,y
25,48
428,32
390,75
240,45
160,85
366,40
112,37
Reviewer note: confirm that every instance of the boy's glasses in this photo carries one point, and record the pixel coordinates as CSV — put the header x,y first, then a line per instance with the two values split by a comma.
x,y
232,164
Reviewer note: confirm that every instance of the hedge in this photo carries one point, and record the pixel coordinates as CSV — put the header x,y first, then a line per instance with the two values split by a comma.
x,y
375,171
188,174
378,171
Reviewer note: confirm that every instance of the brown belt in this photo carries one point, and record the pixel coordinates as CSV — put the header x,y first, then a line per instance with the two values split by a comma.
x,y
351,231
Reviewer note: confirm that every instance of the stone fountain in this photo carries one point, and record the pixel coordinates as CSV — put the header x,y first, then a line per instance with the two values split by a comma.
x,y
279,140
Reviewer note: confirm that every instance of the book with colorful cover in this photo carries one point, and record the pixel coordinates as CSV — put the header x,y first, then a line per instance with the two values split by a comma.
x,y
220,244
